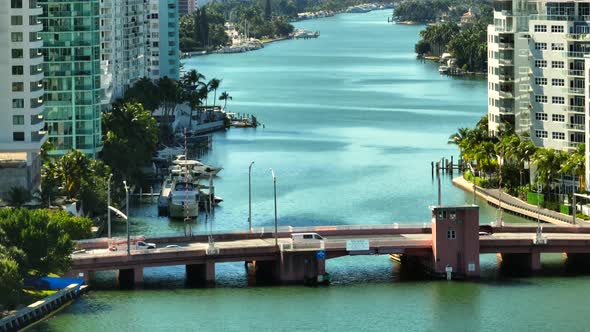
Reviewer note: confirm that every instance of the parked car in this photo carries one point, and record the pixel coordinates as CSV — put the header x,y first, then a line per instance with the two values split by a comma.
x,y
145,245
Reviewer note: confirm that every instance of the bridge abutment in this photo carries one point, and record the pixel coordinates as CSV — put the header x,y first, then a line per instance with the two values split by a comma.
x,y
200,274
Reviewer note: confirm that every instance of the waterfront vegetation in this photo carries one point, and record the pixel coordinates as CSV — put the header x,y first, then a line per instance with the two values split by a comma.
x,y
203,29
428,11
467,44
35,242
505,161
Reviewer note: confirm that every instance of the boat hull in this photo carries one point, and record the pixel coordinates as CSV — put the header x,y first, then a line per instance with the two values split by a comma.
x,y
179,211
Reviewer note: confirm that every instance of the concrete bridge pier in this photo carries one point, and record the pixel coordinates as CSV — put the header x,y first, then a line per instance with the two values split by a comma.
x,y
129,278
201,274
86,275
265,272
302,267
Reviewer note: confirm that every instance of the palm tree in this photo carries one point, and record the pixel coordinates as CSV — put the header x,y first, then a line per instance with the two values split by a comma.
x,y
194,100
192,79
548,162
18,196
575,164
523,153
213,86
458,137
225,96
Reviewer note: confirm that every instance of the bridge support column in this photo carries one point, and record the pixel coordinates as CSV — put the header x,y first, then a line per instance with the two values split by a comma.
x,y
301,267
85,275
200,274
129,278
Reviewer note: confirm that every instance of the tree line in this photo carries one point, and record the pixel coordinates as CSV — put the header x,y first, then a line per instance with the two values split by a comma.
x,y
35,243
508,158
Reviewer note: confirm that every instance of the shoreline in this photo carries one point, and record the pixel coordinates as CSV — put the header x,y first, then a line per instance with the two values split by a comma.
x,y
516,206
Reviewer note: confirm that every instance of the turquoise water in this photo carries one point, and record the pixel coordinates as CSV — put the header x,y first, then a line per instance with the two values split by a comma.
x,y
352,122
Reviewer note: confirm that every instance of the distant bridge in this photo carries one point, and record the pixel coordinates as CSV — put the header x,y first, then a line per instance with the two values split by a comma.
x,y
451,242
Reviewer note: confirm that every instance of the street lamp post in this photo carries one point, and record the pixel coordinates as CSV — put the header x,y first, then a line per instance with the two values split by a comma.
x,y
109,204
274,180
250,196
127,213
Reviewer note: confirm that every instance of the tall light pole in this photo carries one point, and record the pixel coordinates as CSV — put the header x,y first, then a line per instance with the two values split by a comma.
x,y
127,213
274,180
109,204
250,196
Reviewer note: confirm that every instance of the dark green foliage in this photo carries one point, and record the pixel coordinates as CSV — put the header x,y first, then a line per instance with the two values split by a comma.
x,y
18,196
203,29
422,47
131,137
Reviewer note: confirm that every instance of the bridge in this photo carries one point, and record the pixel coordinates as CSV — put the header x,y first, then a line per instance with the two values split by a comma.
x,y
450,244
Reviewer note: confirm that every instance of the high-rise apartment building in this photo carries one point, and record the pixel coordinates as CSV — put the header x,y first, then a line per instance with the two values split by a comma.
x,y
186,6
123,44
73,101
536,73
21,95
163,39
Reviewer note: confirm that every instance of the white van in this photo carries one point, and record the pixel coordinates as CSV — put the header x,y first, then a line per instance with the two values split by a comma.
x,y
306,238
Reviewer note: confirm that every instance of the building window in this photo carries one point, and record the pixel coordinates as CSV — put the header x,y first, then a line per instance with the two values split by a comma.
x,y
558,117
558,135
17,70
557,28
541,99
540,81
558,100
541,63
16,37
16,3
18,136
540,28
557,46
541,116
557,64
18,87
558,82
541,46
541,133
17,53
451,234
18,119
18,103
16,20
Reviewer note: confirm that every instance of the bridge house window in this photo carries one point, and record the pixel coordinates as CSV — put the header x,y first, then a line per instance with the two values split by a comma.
x,y
451,234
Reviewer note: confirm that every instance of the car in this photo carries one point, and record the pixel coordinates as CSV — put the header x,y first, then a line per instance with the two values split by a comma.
x,y
172,246
145,245
305,237
81,251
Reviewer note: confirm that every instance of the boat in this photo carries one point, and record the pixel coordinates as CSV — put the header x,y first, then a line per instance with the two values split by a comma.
x,y
194,166
443,69
183,200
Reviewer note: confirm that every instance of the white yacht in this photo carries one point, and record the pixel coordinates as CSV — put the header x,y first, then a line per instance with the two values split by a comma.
x,y
183,200
195,167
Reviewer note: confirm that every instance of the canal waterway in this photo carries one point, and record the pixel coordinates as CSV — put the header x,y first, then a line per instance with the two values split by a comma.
x,y
352,122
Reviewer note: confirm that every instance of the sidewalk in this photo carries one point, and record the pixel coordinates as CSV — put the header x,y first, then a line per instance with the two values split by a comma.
x,y
517,206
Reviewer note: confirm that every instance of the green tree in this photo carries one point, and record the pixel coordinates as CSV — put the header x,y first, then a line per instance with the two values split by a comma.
x,y
18,196
267,10
422,47
575,164
145,92
213,85
549,163
10,280
225,96
130,139
459,137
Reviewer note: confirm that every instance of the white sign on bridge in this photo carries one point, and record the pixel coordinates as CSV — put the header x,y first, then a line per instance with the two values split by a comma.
x,y
357,245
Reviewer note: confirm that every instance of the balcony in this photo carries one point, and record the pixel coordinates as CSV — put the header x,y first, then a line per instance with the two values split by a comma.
x,y
36,119
506,78
576,109
38,136
576,91
576,55
577,36
575,72
506,110
506,94
506,62
576,126
506,46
